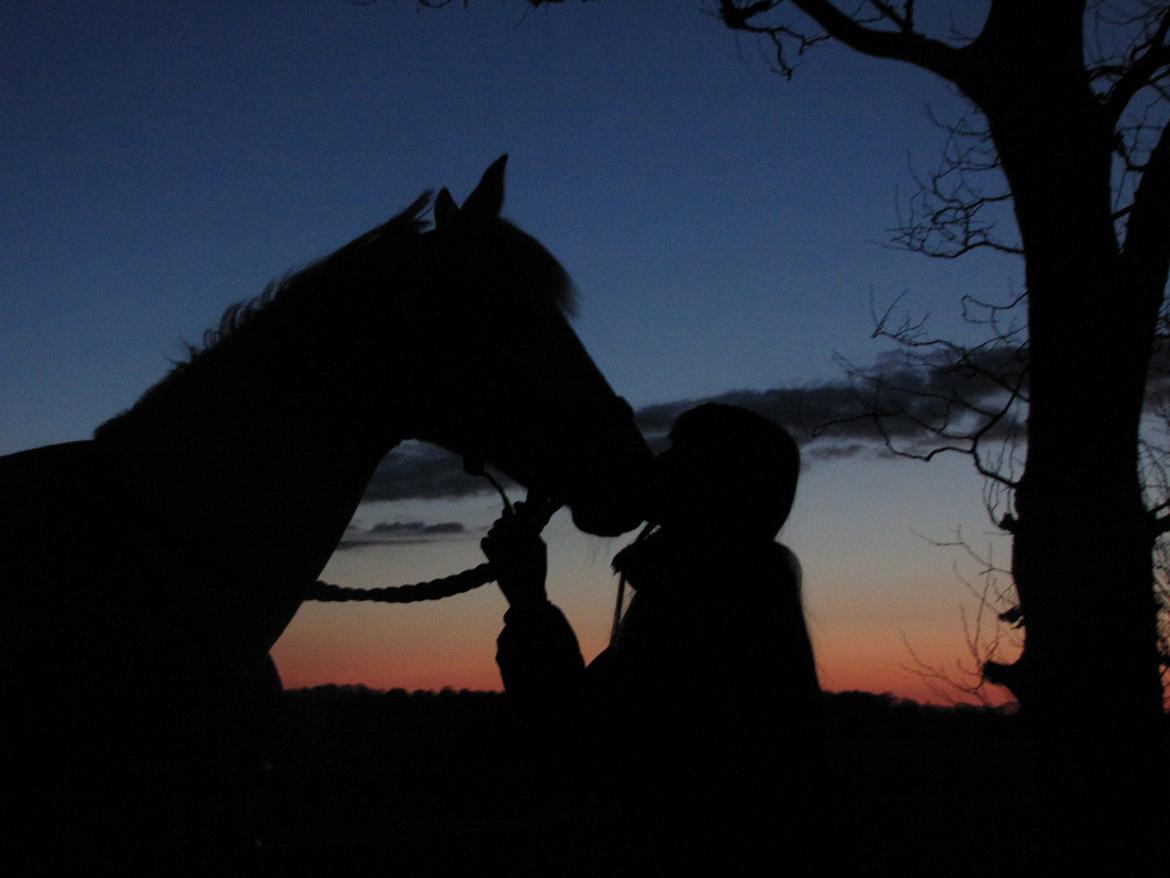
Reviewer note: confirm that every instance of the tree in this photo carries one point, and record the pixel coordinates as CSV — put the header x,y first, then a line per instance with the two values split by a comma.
x,y
1072,100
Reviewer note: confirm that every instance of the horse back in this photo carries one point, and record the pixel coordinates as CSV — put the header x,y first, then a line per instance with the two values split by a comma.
x,y
49,516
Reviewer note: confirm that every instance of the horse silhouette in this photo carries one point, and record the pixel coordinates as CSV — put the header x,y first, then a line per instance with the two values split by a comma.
x,y
149,570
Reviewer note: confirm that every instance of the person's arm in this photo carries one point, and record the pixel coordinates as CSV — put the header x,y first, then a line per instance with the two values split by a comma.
x,y
537,652
538,656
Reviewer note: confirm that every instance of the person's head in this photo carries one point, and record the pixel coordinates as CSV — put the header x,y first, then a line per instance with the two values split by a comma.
x,y
728,472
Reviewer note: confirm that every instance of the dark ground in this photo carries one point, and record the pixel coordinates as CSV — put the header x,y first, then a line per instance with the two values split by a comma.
x,y
444,783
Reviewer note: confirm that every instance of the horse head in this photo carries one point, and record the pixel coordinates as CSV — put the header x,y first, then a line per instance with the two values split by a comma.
x,y
508,381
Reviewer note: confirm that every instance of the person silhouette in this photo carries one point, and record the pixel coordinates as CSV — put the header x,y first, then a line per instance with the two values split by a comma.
x,y
704,710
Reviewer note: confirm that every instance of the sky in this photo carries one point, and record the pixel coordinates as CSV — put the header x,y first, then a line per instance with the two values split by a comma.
x,y
727,230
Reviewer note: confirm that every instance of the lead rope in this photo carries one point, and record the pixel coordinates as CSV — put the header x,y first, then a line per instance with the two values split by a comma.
x,y
431,590
536,510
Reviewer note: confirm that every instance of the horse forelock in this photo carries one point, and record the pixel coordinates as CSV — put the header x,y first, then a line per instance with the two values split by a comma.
x,y
546,276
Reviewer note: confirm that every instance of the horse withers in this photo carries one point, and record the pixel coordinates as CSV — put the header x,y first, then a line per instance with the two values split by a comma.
x,y
151,569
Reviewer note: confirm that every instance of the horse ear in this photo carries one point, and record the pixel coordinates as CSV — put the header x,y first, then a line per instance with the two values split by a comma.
x,y
487,199
445,209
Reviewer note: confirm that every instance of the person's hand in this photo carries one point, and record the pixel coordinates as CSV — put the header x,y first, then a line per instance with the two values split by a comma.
x,y
519,557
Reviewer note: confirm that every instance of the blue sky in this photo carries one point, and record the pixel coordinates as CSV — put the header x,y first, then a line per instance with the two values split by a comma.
x,y
159,161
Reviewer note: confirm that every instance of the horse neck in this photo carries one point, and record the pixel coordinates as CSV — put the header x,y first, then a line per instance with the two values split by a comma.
x,y
262,472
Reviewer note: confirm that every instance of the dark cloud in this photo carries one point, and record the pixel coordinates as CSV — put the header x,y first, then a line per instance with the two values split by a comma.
x,y
416,528
834,420
831,420
358,544
893,380
399,533
801,409
840,451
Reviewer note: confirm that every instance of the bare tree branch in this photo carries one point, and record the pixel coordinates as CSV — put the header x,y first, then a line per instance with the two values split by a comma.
x,y
960,399
1145,63
995,605
903,43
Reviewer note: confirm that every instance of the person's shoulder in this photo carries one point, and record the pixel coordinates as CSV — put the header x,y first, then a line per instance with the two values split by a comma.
x,y
785,558
774,559
775,573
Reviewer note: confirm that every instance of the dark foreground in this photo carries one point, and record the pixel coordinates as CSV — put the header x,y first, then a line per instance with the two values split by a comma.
x,y
445,783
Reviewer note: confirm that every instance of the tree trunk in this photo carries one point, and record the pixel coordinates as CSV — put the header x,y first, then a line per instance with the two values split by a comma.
x,y
1088,679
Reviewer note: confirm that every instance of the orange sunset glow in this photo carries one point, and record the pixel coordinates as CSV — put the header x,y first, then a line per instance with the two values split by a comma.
x,y
873,588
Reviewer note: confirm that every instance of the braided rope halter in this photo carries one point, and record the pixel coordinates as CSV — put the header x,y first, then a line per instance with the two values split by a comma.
x,y
536,511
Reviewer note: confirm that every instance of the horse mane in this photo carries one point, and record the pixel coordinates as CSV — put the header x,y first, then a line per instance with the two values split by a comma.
x,y
559,287
537,270
408,224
